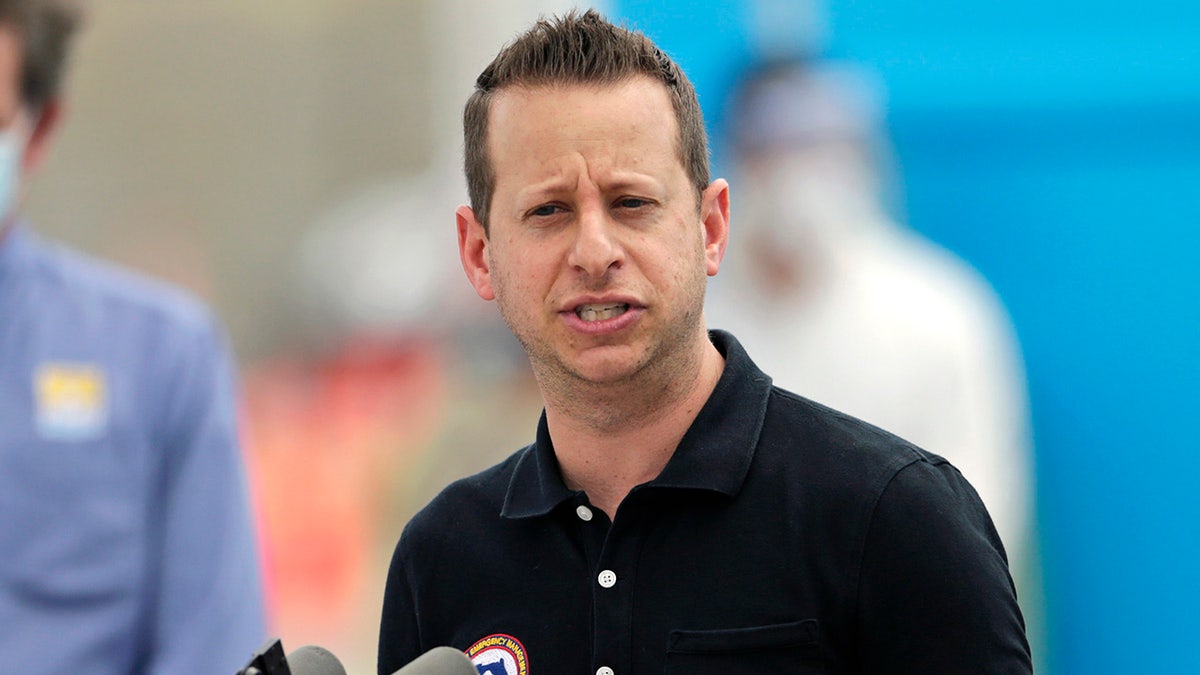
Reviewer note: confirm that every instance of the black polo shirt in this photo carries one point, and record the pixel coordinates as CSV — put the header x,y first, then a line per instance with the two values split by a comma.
x,y
782,537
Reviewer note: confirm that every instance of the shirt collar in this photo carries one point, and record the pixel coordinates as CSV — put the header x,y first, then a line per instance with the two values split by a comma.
x,y
714,454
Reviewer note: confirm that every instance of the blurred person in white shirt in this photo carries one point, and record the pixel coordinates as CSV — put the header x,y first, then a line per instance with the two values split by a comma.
x,y
847,307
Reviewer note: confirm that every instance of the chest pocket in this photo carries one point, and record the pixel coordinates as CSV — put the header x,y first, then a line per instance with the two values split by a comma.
x,y
778,648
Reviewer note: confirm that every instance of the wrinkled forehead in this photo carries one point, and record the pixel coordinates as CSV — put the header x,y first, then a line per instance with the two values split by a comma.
x,y
557,140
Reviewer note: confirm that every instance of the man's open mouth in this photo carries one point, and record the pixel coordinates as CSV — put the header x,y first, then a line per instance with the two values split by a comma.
x,y
601,312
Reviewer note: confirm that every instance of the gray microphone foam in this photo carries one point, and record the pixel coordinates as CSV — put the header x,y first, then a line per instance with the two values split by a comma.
x,y
314,660
439,661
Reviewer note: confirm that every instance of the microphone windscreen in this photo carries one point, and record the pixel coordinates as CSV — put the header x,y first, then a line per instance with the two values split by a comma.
x,y
440,661
314,660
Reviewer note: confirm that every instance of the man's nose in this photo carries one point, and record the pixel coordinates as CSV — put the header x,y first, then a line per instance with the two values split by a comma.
x,y
596,249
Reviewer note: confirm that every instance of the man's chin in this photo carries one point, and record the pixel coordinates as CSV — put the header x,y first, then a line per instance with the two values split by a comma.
x,y
611,364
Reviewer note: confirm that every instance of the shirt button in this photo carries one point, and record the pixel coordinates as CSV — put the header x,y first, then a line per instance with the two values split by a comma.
x,y
607,578
605,670
584,513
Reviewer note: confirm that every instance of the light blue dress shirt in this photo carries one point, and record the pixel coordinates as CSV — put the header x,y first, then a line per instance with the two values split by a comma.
x,y
126,538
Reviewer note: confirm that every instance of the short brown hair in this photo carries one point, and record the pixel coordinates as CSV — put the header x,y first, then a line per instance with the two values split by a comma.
x,y
45,28
577,49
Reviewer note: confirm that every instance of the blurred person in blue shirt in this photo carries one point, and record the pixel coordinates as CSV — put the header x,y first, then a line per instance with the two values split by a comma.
x,y
126,540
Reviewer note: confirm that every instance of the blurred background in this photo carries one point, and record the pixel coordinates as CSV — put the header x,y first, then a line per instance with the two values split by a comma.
x,y
295,163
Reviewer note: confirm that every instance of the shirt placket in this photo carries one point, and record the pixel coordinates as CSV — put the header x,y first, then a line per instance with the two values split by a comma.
x,y
611,549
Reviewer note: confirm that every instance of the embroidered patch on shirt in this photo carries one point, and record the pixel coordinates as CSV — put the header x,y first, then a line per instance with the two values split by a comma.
x,y
499,654
72,401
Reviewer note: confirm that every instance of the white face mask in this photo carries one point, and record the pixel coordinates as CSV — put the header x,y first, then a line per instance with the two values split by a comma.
x,y
805,199
12,147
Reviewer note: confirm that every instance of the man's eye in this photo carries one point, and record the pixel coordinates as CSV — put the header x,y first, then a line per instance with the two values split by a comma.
x,y
544,210
632,202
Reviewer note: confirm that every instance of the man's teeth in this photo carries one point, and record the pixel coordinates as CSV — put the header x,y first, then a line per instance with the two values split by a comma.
x,y
601,312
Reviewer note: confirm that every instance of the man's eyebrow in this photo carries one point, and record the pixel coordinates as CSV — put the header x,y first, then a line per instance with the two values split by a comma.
x,y
610,182
552,185
632,180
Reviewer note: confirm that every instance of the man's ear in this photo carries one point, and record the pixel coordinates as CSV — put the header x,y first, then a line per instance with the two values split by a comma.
x,y
714,215
473,251
45,129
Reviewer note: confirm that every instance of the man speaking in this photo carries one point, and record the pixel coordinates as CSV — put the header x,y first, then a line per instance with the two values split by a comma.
x,y
676,513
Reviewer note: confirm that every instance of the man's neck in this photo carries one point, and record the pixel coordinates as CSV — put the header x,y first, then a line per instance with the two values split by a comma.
x,y
609,439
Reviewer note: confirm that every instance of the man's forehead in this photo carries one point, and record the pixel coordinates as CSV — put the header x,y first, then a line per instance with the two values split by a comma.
x,y
527,119
640,101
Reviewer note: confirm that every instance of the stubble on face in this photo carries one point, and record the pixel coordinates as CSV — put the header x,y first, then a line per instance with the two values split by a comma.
x,y
642,388
597,145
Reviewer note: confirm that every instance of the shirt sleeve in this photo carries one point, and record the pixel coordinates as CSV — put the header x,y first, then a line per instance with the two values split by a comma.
x,y
935,594
398,631
208,612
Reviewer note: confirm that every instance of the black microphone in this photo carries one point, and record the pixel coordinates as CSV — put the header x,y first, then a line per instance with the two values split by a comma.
x,y
267,660
440,661
307,660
